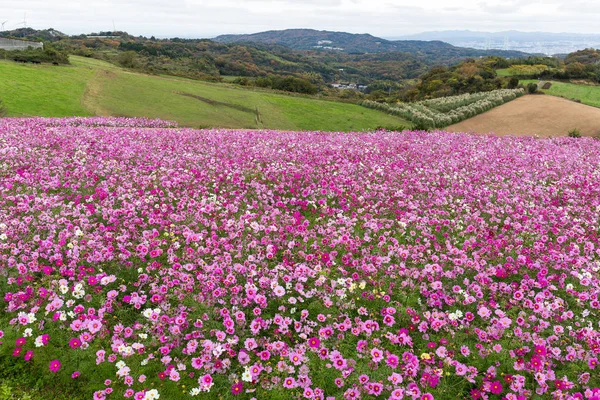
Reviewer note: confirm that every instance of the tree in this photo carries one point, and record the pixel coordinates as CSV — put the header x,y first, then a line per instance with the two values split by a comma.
x,y
532,88
575,70
128,59
3,110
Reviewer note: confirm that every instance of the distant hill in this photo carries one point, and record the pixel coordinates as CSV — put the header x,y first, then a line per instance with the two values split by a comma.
x,y
309,39
47,35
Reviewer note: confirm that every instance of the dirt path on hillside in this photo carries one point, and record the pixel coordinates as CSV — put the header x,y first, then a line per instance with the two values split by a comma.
x,y
534,115
93,90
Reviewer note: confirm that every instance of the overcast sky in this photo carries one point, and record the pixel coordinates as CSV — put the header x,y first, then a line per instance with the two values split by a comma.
x,y
387,18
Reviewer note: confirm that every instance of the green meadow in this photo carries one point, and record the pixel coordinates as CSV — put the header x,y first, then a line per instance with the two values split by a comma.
x,y
92,87
587,94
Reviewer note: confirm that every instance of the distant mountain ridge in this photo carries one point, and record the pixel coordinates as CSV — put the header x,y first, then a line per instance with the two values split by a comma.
x,y
466,35
310,39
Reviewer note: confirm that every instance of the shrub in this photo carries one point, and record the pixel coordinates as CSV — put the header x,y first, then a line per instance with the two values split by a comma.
x,y
444,111
48,55
532,88
575,133
128,59
513,83
392,128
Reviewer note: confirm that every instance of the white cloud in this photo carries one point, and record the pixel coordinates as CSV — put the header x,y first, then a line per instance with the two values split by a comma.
x,y
206,18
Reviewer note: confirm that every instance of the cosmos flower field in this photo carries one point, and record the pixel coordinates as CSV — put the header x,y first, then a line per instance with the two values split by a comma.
x,y
140,260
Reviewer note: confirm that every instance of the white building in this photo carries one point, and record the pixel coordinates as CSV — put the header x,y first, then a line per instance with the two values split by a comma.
x,y
16,44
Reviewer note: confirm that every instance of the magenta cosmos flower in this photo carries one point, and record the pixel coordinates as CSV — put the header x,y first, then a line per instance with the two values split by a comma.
x,y
237,388
75,343
496,387
54,366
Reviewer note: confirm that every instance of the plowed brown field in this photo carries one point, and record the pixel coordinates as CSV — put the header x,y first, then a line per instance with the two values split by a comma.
x,y
540,115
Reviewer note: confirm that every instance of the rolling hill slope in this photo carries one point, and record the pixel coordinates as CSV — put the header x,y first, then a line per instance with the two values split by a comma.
x,y
92,87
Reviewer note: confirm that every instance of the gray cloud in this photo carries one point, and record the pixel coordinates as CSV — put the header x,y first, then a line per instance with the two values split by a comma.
x,y
207,18
580,7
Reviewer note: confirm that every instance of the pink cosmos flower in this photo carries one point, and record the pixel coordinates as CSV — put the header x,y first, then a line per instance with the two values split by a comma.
x,y
376,355
205,380
289,383
392,361
54,366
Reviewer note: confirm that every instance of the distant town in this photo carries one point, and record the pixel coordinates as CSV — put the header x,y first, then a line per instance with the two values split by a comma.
x,y
545,43
546,48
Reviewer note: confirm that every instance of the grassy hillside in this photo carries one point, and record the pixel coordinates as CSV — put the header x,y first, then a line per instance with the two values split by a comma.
x,y
43,90
587,94
503,72
91,87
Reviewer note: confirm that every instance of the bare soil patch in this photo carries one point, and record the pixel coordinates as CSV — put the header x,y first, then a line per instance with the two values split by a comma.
x,y
216,103
534,115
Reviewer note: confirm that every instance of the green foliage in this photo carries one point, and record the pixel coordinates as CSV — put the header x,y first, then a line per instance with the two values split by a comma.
x,y
22,380
532,88
467,77
48,55
575,133
444,111
128,59
551,62
513,83
49,35
585,57
527,70
3,109
392,128
288,84
583,65
422,126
